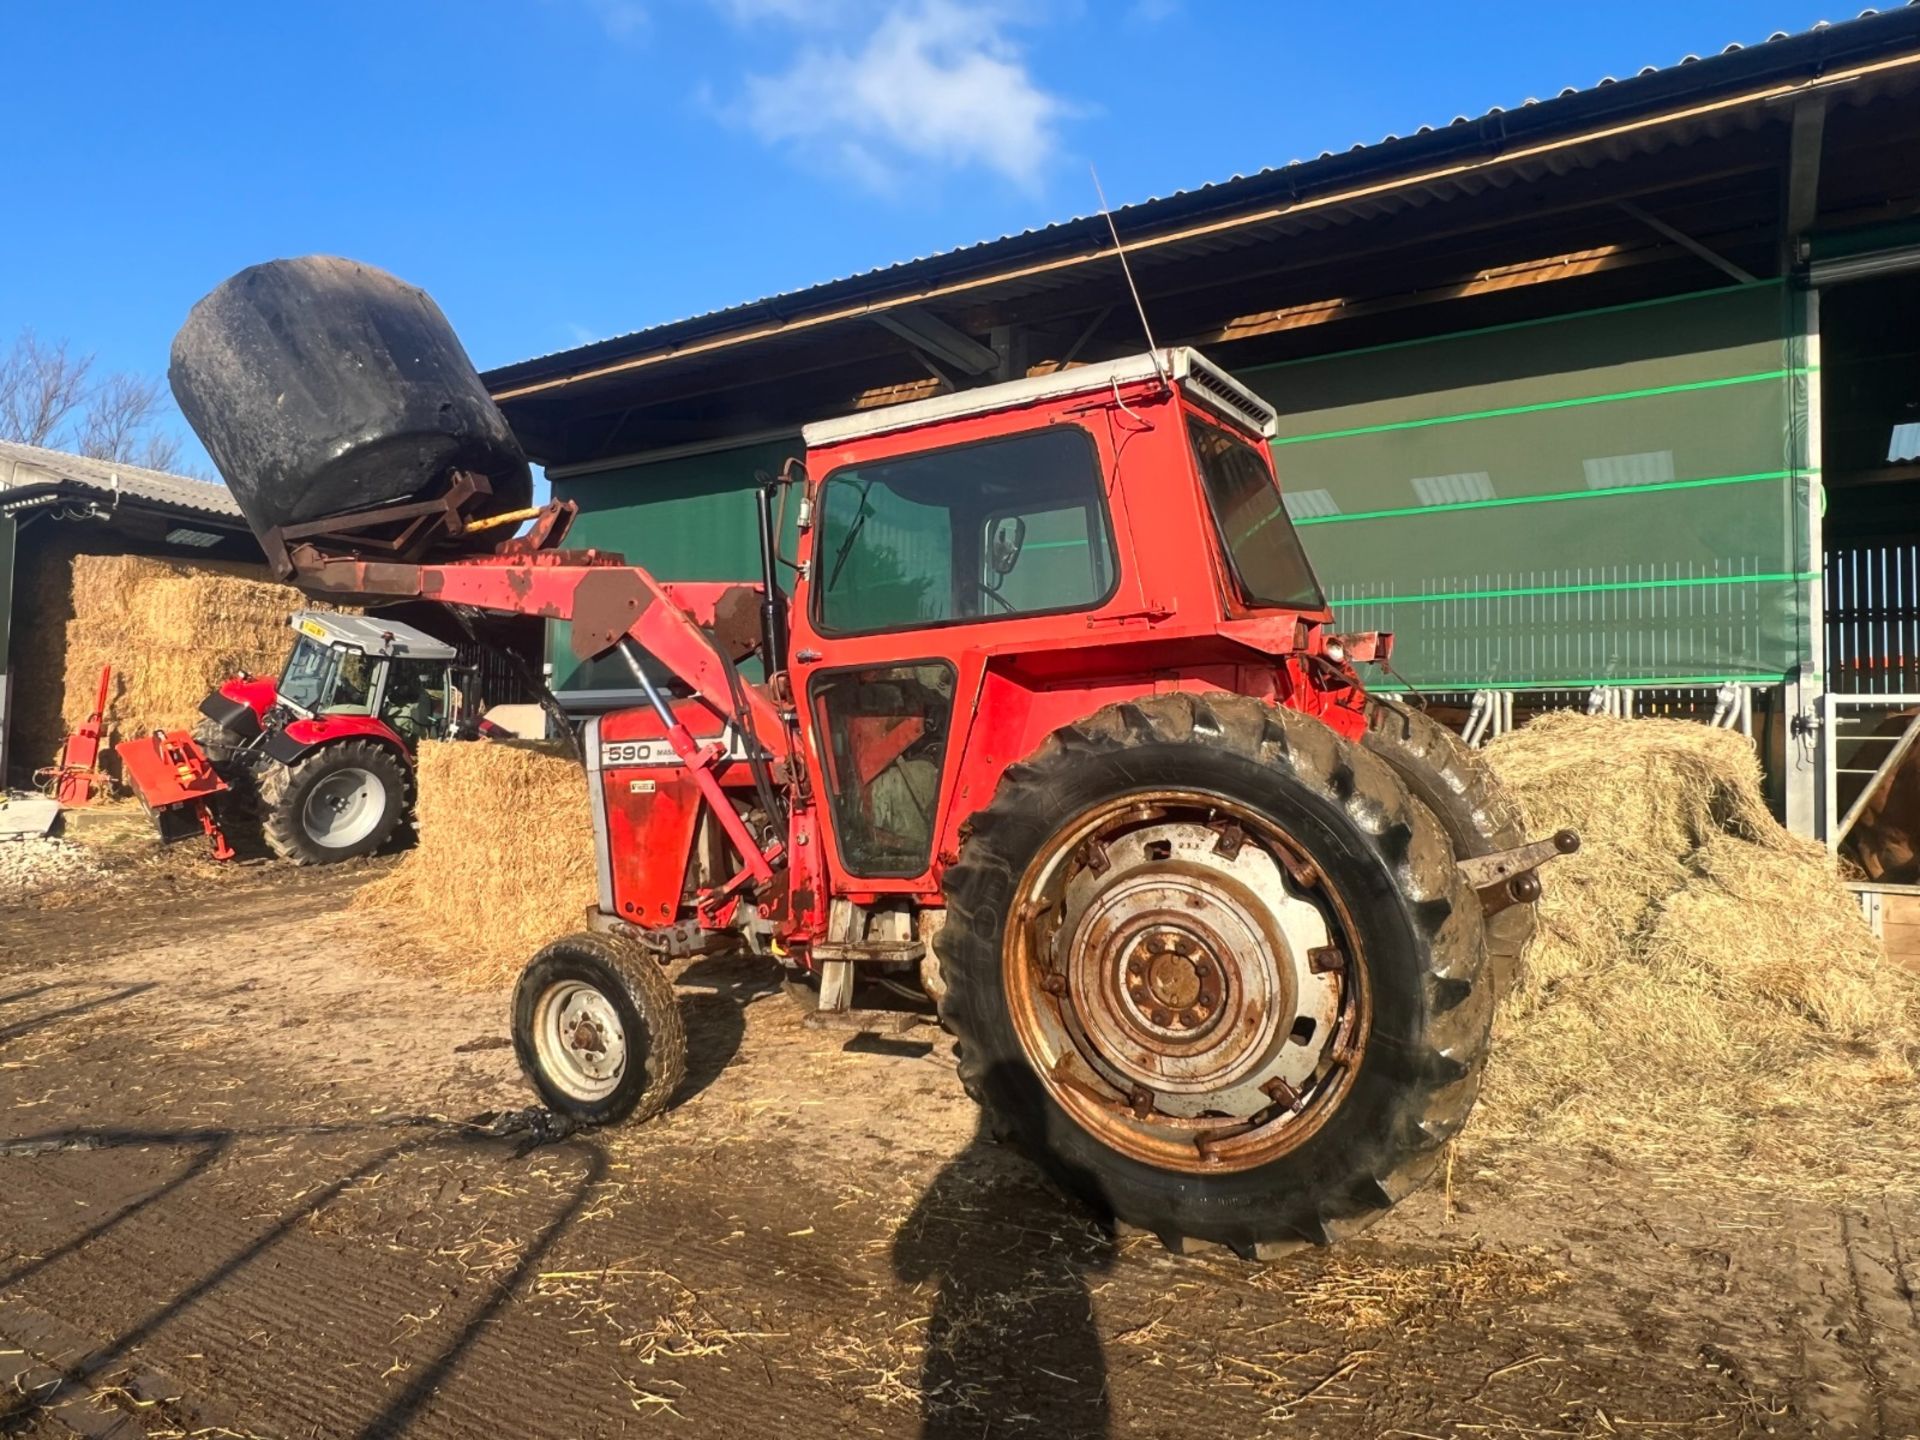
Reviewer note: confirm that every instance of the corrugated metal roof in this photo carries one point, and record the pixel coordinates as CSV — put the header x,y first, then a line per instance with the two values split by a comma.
x,y
1645,90
26,465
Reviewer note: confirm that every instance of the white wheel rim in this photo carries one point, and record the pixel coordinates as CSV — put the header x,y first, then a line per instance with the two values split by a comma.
x,y
344,808
579,1041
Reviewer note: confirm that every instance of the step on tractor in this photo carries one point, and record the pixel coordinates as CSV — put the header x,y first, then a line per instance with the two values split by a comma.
x,y
324,754
1055,721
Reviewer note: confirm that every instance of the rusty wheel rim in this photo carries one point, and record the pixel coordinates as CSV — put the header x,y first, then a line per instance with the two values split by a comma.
x,y
1185,982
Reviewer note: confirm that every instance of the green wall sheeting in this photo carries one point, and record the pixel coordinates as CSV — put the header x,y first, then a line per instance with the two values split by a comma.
x,y
1613,496
694,518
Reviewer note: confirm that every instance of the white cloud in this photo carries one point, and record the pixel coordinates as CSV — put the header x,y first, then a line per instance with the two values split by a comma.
x,y
621,19
932,81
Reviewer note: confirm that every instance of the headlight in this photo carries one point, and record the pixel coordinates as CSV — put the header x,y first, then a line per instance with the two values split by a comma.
x,y
1336,652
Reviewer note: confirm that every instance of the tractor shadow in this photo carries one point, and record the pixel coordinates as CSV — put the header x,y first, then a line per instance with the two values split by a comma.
x,y
1012,1341
714,992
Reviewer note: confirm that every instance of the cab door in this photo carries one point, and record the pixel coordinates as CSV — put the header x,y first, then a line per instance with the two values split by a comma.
x,y
917,561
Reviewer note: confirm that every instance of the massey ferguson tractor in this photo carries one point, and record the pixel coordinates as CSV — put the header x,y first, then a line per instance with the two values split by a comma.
x,y
1054,717
325,753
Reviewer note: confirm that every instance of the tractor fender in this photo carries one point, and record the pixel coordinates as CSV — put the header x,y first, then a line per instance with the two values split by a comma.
x,y
290,744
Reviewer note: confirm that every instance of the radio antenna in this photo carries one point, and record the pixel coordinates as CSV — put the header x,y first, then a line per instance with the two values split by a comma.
x,y
1153,350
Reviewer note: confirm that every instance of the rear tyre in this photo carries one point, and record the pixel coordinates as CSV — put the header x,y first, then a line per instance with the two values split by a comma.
x,y
337,802
1466,797
597,1030
1216,972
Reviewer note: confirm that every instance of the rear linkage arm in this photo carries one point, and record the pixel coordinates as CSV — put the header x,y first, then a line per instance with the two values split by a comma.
x,y
1511,877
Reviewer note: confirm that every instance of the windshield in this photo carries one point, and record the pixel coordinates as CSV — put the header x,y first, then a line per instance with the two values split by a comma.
x,y
1251,517
1016,525
308,679
322,680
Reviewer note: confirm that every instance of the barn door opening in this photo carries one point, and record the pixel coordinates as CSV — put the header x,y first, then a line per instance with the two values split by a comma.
x,y
1870,459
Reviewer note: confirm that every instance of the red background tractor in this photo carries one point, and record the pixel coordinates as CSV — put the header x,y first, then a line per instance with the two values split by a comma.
x,y
325,752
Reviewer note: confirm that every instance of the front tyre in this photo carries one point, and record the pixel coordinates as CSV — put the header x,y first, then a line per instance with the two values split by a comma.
x,y
1212,967
337,802
597,1030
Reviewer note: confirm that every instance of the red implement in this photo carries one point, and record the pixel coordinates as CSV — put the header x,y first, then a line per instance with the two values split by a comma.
x,y
176,782
75,778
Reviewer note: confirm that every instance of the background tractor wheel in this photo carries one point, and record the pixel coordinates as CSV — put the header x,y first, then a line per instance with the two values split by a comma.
x,y
341,800
597,1030
1213,968
1467,798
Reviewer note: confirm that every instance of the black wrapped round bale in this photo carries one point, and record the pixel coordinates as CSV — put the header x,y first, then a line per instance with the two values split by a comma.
x,y
321,386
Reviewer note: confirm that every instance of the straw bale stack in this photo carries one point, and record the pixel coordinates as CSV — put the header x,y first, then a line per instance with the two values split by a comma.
x,y
170,630
504,862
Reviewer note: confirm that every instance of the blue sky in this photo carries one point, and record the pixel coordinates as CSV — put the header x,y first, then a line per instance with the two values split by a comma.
x,y
556,171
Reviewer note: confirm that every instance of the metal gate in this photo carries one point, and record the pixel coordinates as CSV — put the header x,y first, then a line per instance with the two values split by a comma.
x,y
1873,619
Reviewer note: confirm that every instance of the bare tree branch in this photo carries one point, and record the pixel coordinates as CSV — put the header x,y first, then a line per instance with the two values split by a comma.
x,y
46,399
117,418
161,451
40,388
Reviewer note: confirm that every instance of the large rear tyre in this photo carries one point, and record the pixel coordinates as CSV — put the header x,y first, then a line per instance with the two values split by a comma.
x,y
1466,797
1215,971
339,801
597,1030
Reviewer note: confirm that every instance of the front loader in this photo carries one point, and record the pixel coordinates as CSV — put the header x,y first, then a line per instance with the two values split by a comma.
x,y
1055,716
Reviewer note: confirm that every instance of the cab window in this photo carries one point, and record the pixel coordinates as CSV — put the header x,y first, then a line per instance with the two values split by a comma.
x,y
414,702
1005,527
1261,544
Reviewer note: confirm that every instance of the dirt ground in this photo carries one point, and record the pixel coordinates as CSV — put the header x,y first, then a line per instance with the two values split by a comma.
x,y
243,1192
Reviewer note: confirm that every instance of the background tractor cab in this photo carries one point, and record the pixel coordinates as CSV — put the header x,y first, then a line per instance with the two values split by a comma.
x,y
326,750
349,666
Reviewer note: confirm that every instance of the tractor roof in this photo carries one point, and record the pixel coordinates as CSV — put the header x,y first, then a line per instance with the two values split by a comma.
x,y
1204,382
371,634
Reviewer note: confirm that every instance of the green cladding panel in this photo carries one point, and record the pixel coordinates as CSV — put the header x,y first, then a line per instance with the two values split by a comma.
x,y
692,518
1617,496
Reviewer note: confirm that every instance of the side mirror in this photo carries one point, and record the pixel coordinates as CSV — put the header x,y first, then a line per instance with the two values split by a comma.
x,y
1005,539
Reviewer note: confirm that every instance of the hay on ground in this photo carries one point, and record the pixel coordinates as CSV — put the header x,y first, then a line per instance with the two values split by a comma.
x,y
504,862
1703,994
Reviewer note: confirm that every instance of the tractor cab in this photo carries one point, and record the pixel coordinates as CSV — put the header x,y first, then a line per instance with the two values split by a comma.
x,y
354,665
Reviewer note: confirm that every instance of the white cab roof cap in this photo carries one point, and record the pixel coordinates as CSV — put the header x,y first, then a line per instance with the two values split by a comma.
x,y
371,634
1203,381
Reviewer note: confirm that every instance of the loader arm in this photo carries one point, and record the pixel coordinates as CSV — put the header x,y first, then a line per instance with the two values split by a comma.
x,y
605,599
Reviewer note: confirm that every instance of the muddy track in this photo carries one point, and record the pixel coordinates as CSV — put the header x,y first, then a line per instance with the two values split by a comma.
x,y
237,1196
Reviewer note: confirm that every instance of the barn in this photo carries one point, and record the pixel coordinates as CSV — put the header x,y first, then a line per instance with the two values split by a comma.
x,y
1612,397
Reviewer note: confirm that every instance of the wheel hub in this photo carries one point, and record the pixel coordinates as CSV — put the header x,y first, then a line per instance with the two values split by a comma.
x,y
1183,974
1173,982
344,808
578,1036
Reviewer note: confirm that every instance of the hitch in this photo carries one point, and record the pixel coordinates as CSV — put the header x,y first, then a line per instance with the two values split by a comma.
x,y
1511,877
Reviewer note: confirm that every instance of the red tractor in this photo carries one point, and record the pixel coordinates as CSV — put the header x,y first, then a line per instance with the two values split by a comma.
x,y
325,753
1056,718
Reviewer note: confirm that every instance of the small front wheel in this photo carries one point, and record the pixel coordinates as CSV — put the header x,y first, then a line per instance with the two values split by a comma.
x,y
597,1030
